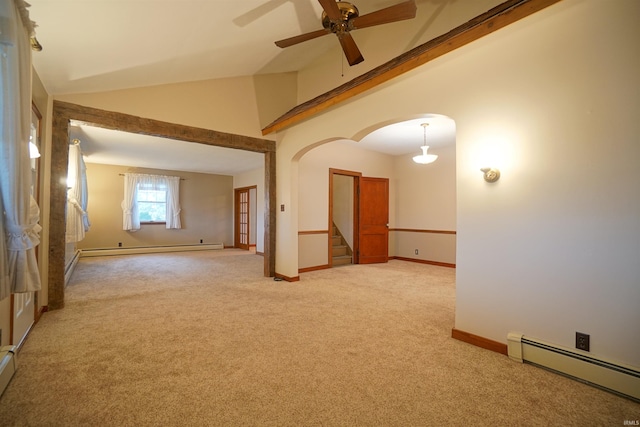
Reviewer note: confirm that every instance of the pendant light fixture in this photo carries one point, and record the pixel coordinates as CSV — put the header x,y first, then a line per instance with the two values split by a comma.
x,y
425,158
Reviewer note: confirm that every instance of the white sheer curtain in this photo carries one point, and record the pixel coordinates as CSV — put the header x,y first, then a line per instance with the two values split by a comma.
x,y
130,219
84,202
20,213
173,202
77,217
133,181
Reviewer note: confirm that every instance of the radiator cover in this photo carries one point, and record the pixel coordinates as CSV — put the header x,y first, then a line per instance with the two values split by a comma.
x,y
150,249
8,365
615,377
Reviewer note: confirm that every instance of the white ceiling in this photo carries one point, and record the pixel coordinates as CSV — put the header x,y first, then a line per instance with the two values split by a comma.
x,y
106,146
112,147
101,45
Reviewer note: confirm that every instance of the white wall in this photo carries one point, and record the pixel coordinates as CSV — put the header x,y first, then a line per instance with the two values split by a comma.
x,y
552,247
381,43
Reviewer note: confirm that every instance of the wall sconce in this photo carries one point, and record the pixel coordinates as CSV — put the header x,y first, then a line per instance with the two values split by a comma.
x,y
491,174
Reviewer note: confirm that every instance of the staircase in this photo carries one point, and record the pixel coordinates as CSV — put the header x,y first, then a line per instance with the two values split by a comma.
x,y
341,253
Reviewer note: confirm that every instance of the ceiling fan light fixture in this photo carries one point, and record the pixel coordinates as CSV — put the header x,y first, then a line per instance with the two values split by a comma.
x,y
348,11
342,17
425,158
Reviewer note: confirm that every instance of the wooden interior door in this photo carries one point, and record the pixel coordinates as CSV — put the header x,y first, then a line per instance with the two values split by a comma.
x,y
373,214
242,218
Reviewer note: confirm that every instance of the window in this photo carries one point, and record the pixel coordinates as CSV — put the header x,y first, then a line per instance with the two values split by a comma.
x,y
152,203
150,199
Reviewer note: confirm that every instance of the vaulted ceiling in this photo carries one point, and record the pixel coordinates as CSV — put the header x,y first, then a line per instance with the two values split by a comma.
x,y
102,45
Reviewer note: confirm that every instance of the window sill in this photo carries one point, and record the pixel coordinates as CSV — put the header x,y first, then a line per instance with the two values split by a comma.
x,y
153,223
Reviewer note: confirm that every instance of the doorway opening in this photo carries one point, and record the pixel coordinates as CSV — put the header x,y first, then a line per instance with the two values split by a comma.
x,y
343,217
358,218
62,115
245,217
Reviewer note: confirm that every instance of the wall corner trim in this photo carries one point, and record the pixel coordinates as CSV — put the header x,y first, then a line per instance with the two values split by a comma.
x,y
479,341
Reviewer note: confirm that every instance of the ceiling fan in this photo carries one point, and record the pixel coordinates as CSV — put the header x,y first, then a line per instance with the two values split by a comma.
x,y
343,17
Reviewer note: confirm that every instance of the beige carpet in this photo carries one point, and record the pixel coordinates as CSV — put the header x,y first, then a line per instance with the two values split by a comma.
x,y
202,338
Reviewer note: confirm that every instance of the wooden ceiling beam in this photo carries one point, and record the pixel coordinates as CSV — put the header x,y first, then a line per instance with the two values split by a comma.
x,y
499,17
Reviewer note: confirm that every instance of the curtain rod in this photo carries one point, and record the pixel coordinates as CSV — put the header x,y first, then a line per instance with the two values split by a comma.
x,y
181,179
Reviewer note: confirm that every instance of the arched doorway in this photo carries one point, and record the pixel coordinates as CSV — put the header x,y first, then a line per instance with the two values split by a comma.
x,y
422,221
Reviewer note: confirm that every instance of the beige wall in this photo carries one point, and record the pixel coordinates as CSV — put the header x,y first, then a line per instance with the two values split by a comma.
x,y
431,247
313,250
551,248
275,95
206,202
426,200
225,105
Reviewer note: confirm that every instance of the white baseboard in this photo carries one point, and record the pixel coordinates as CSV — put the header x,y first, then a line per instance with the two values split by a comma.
x,y
150,249
578,364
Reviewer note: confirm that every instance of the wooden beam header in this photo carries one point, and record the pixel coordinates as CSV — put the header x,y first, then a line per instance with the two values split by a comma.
x,y
128,123
499,17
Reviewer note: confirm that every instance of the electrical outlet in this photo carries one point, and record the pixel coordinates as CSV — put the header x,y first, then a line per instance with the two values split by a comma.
x,y
119,244
416,252
582,341
200,241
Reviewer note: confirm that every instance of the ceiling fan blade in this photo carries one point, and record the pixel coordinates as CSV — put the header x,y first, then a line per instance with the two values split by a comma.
x,y
301,38
350,49
331,9
398,12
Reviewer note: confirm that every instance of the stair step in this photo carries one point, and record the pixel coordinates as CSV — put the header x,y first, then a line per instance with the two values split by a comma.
x,y
341,260
340,250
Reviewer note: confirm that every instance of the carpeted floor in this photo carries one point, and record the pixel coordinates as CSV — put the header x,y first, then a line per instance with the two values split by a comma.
x,y
201,338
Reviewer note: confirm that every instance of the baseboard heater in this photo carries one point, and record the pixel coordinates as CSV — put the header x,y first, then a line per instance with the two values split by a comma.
x,y
8,365
68,271
580,365
150,249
